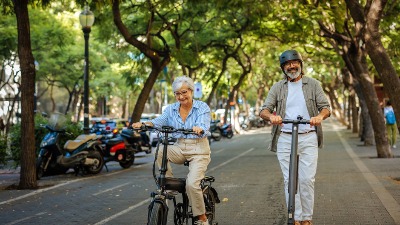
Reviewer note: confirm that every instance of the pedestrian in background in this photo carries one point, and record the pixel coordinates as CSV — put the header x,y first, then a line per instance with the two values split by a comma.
x,y
297,95
391,125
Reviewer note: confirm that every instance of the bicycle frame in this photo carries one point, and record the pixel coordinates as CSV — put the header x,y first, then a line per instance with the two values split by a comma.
x,y
293,166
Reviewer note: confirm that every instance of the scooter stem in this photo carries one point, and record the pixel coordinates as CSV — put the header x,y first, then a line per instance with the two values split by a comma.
x,y
293,171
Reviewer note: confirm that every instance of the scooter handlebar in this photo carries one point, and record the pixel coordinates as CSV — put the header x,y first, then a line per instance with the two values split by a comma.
x,y
302,121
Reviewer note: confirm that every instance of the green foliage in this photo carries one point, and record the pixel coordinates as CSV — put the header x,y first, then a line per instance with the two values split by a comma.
x,y
15,143
3,149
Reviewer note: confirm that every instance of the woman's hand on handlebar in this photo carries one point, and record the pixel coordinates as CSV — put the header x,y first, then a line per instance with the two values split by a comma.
x,y
275,120
197,130
139,125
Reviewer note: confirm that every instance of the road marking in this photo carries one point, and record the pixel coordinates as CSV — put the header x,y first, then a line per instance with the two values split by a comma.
x,y
230,160
63,184
123,212
110,189
386,198
26,218
216,152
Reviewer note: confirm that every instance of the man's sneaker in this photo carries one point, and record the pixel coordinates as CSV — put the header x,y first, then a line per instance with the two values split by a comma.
x,y
394,146
200,222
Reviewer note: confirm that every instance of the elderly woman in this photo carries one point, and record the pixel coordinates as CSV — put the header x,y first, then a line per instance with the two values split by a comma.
x,y
192,114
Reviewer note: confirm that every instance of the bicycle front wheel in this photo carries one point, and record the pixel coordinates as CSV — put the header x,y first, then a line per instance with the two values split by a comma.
x,y
157,214
209,201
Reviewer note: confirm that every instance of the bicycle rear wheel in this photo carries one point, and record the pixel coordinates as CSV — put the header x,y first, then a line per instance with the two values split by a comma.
x,y
157,214
209,200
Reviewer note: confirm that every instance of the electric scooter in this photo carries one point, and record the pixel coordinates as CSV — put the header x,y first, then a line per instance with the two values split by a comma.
x,y
293,166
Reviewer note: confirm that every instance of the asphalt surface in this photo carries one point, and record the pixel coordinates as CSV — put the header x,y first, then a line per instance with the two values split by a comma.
x,y
353,186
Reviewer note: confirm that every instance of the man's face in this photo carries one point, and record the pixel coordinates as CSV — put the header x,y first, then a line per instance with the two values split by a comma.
x,y
292,68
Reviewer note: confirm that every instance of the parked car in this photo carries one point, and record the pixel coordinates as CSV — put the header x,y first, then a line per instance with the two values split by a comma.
x,y
103,125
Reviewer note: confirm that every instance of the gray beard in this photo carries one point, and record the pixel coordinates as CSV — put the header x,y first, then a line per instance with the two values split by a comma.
x,y
293,75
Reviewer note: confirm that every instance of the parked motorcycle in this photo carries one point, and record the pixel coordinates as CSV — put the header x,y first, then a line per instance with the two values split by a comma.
x,y
215,131
245,124
139,141
226,130
82,154
118,149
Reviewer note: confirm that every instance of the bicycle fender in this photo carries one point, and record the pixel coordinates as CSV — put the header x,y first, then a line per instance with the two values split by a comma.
x,y
215,194
158,201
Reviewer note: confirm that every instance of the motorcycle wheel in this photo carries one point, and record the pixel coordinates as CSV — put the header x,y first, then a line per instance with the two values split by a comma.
x,y
126,164
229,135
218,137
95,169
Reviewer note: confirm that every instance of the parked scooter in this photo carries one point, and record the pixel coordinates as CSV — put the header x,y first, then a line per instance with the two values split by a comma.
x,y
226,130
215,131
118,149
139,141
82,154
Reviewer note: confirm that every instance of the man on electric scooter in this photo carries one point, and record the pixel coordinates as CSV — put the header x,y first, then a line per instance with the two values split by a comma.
x,y
297,95
187,113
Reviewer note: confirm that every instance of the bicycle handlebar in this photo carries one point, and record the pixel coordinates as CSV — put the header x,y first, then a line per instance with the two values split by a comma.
x,y
167,129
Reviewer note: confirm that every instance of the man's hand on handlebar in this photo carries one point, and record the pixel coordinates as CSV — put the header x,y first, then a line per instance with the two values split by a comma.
x,y
275,120
315,121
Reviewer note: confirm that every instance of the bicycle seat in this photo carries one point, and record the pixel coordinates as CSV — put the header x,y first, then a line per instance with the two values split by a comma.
x,y
175,184
209,178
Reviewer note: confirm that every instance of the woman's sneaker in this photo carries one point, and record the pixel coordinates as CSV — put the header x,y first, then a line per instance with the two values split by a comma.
x,y
201,222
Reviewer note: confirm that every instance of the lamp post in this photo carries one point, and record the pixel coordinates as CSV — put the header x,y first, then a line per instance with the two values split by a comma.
x,y
229,93
86,18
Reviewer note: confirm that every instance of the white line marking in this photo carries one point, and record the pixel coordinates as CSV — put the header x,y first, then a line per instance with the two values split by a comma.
x,y
123,212
218,151
110,189
386,198
63,184
230,160
26,218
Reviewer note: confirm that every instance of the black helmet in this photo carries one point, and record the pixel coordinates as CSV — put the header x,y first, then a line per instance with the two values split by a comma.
x,y
290,55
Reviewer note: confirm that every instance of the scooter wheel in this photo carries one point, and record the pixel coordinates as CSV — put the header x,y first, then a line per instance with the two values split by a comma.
x,y
229,135
39,168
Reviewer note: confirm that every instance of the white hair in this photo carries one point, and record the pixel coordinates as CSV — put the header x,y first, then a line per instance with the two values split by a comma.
x,y
180,81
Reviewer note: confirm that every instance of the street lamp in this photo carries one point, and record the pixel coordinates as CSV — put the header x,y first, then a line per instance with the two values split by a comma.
x,y
86,18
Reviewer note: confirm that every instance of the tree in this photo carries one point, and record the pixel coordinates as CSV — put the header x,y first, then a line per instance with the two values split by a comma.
x,y
28,169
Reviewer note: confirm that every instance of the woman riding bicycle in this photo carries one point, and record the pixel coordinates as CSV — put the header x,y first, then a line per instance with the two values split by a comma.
x,y
192,114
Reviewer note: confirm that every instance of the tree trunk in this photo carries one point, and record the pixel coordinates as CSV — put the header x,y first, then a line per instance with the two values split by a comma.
x,y
364,30
379,56
28,157
359,61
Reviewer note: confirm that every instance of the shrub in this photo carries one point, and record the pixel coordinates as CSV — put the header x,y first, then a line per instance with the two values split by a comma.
x,y
3,149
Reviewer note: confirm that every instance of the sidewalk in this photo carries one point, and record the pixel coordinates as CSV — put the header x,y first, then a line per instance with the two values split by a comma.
x,y
353,186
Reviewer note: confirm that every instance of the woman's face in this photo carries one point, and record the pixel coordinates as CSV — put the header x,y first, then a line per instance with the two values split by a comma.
x,y
184,95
